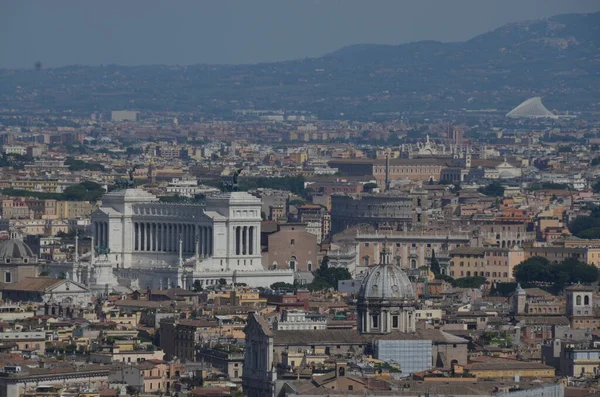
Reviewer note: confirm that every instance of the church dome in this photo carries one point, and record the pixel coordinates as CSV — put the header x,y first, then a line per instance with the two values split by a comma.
x,y
15,249
386,282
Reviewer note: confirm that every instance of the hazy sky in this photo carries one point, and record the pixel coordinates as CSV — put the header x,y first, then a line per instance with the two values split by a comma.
x,y
129,32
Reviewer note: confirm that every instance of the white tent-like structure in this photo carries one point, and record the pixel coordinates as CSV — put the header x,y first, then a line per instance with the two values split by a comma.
x,y
532,108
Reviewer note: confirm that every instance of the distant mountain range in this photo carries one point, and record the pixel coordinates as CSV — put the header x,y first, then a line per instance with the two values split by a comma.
x,y
556,58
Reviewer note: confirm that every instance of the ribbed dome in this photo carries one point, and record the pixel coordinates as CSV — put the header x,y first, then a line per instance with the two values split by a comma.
x,y
15,249
387,282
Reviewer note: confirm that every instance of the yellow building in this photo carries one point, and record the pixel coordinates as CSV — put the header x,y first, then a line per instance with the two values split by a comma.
x,y
589,255
434,315
580,362
247,298
498,368
29,341
47,186
298,158
73,209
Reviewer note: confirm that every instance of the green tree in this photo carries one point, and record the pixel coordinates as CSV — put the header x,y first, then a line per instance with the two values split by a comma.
x,y
280,285
84,191
469,282
78,165
533,270
327,277
584,226
503,289
493,189
434,264
197,286
131,151
539,271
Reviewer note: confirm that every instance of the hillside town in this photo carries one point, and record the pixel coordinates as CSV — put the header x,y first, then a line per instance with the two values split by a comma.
x,y
280,255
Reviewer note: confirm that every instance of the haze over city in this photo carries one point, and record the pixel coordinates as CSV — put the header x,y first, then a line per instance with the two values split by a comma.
x,y
300,198
138,32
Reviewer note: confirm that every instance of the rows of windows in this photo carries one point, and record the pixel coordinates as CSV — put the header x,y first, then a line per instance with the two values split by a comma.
x,y
482,274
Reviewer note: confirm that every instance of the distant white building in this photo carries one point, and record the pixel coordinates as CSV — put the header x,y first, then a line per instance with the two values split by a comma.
x,y
143,243
292,320
188,187
123,115
533,108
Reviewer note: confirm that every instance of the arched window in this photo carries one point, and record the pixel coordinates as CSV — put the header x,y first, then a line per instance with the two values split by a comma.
x,y
309,266
413,263
342,371
293,262
586,300
578,300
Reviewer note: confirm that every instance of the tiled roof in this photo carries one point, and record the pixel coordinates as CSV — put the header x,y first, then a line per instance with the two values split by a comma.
x,y
33,284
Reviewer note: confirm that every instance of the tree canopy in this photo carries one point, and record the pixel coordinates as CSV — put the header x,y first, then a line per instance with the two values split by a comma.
x,y
587,226
327,277
539,271
493,189
280,285
469,282
434,264
78,165
84,191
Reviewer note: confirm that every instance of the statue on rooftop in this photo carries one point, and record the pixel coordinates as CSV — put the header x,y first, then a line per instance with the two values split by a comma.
x,y
230,182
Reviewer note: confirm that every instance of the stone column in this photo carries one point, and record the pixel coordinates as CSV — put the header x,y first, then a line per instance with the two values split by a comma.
x,y
244,239
102,230
175,237
149,236
257,241
159,237
200,245
251,240
153,236
210,240
106,234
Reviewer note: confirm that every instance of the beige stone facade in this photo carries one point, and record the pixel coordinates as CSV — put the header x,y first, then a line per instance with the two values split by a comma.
x,y
292,247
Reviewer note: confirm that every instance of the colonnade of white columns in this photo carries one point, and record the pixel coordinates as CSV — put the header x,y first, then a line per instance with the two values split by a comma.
x,y
101,233
246,240
164,237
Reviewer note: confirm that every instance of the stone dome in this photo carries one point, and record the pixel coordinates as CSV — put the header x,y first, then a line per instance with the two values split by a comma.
x,y
386,282
15,249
